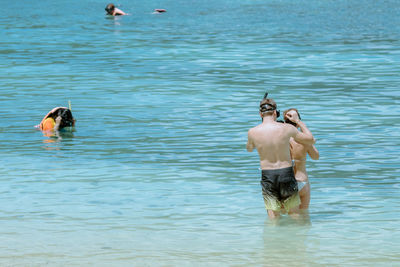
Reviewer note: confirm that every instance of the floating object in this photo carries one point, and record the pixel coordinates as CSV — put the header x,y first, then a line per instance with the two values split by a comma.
x,y
158,10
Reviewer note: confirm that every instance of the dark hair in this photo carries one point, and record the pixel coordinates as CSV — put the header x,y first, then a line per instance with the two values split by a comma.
x,y
110,8
67,120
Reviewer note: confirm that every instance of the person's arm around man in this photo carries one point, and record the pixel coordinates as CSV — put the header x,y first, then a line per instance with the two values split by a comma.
x,y
313,152
304,136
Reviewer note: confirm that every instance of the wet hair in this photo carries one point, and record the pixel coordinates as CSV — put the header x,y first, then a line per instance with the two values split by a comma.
x,y
67,120
110,8
289,121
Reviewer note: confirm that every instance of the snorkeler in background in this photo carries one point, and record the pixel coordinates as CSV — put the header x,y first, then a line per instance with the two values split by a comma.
x,y
299,153
113,11
159,10
57,119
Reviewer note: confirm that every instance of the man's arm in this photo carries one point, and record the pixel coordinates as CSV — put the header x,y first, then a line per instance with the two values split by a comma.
x,y
304,136
250,144
119,12
313,152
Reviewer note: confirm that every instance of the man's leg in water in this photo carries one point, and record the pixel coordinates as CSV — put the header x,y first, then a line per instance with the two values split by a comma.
x,y
273,214
272,206
295,211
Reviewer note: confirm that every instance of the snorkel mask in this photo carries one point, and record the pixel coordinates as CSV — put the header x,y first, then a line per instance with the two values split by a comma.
x,y
268,107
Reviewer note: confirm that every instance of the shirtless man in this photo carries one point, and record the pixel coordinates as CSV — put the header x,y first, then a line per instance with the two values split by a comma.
x,y
272,141
113,11
299,156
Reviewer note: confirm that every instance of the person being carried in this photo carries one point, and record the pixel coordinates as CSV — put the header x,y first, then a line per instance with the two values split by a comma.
x,y
113,11
299,153
272,141
57,119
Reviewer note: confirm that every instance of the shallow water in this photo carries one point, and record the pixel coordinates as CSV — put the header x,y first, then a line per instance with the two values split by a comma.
x,y
156,172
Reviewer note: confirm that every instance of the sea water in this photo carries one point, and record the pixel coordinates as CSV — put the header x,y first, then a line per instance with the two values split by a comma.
x,y
156,172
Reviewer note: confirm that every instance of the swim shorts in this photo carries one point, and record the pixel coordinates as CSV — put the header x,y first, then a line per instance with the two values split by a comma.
x,y
279,189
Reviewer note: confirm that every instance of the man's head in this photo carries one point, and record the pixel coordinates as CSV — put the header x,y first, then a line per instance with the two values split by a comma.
x,y
268,108
110,8
67,120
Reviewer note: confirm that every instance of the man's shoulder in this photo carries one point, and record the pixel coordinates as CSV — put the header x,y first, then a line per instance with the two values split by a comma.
x,y
255,127
289,129
255,130
252,129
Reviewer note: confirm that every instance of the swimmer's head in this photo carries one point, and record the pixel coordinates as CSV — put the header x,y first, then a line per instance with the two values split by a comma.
x,y
288,111
268,106
159,10
110,9
67,120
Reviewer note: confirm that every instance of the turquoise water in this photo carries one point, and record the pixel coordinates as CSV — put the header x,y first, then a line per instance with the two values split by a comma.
x,y
156,173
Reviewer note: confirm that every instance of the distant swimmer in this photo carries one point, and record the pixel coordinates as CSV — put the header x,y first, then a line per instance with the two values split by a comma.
x,y
159,10
113,11
57,119
272,141
299,156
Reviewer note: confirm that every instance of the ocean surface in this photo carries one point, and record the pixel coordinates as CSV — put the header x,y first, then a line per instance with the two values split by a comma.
x,y
156,172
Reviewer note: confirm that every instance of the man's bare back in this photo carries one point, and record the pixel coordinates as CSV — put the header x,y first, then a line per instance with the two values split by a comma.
x,y
272,141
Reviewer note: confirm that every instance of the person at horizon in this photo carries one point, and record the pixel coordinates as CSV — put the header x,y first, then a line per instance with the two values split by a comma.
x,y
113,11
272,141
299,153
159,10
57,119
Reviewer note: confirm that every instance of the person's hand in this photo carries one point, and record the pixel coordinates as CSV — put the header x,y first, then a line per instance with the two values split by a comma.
x,y
293,117
58,122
